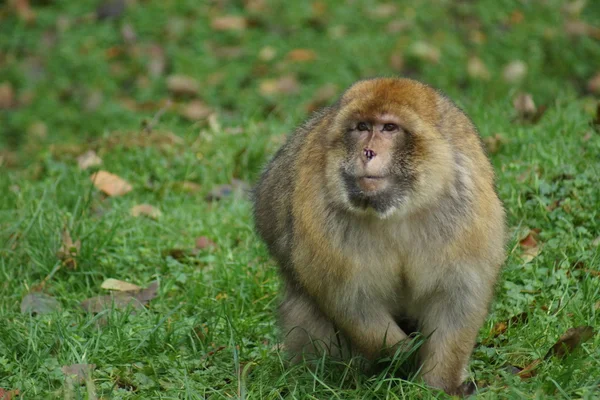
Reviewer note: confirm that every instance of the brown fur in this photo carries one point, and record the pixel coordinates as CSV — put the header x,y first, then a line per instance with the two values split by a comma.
x,y
428,246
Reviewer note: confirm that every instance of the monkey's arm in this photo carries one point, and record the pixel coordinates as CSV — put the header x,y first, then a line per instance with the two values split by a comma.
x,y
452,318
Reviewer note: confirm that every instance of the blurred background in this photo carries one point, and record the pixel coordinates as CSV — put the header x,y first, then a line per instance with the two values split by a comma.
x,y
72,71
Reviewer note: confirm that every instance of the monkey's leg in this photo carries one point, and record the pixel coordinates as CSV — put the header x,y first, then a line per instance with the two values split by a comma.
x,y
307,331
452,321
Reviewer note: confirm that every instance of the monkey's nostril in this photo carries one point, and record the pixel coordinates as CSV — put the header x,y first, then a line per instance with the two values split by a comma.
x,y
369,154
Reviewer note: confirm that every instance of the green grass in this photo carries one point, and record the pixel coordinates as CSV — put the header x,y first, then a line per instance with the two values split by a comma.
x,y
211,332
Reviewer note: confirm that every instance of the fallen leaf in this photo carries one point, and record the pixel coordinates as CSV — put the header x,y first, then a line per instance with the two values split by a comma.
x,y
287,84
7,96
593,84
524,105
9,394
110,184
195,110
397,26
128,34
121,286
38,130
69,250
78,372
222,191
515,71
229,23
88,159
516,17
426,52
204,242
502,326
596,242
23,10
477,69
574,8
571,339
182,85
581,28
530,247
121,300
383,10
187,186
38,303
145,210
494,143
180,254
267,53
301,55
529,370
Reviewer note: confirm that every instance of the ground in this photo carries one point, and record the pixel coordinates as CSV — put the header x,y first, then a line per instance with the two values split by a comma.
x,y
180,97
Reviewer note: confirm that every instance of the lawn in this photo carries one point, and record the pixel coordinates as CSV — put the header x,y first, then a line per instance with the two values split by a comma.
x,y
186,101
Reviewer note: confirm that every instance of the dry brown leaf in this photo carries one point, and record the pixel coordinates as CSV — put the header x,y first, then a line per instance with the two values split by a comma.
x,y
574,8
529,370
571,339
593,84
596,242
7,96
477,69
128,34
195,110
204,242
530,246
229,23
38,130
121,286
524,105
182,85
287,84
267,53
502,326
121,300
110,184
23,10
78,372
88,159
383,10
514,71
9,394
301,55
69,250
38,303
146,210
494,143
397,26
187,186
426,52
580,28
108,9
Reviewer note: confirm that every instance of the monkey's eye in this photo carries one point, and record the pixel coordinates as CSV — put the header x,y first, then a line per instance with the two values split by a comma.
x,y
362,126
390,127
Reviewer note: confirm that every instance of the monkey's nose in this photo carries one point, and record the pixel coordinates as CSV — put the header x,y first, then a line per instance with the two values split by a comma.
x,y
369,154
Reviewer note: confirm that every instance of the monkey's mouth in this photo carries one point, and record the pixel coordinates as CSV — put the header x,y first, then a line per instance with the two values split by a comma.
x,y
372,184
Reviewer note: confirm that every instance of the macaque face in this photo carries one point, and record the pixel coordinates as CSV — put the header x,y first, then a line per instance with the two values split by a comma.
x,y
375,170
381,136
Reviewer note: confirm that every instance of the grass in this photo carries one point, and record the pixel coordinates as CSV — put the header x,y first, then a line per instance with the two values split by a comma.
x,y
211,332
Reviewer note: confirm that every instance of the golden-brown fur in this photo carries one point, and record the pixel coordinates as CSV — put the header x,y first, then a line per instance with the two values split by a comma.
x,y
394,218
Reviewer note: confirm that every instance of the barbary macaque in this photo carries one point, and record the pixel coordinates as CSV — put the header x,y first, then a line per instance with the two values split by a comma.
x,y
382,208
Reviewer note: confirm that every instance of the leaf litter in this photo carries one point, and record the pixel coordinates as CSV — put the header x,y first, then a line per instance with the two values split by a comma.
x,y
136,299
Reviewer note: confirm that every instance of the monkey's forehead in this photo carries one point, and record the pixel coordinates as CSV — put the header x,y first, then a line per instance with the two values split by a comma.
x,y
389,96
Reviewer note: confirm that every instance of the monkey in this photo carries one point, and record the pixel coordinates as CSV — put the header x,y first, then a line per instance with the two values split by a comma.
x,y
381,208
